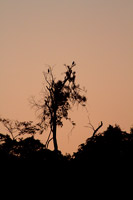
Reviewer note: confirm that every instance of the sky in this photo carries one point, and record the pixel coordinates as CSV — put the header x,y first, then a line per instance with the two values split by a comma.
x,y
96,34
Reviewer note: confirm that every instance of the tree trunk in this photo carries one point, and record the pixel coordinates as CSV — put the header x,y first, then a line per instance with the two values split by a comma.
x,y
54,133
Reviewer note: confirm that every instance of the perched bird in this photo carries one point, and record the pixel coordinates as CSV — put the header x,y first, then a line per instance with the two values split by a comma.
x,y
73,63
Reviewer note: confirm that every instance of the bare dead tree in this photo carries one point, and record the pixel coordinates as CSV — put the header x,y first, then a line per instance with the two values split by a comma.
x,y
92,127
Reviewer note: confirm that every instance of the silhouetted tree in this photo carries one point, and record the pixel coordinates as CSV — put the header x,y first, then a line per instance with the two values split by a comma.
x,y
17,129
29,149
112,145
59,97
13,145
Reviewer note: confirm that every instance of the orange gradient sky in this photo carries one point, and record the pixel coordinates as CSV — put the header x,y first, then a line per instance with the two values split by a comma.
x,y
96,34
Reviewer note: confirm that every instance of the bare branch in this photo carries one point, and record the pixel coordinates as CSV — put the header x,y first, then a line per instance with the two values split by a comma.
x,y
91,126
9,126
47,141
95,131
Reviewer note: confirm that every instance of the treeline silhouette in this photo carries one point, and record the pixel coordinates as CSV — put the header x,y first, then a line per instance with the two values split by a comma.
x,y
111,145
19,146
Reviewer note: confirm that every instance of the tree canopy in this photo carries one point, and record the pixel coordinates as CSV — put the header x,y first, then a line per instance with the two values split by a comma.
x,y
112,144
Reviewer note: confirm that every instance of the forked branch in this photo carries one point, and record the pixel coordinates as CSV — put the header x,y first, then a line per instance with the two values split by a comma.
x,y
95,131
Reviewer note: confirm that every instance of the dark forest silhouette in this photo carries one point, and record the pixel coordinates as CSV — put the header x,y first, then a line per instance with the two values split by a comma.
x,y
19,144
111,145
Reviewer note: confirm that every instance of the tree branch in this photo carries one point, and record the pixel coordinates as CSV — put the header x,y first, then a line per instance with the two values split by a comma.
x,y
48,140
94,133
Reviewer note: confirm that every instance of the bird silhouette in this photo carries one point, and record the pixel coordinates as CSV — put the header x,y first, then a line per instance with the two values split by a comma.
x,y
73,63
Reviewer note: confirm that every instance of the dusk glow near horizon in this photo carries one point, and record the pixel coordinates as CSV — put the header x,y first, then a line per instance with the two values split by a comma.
x,y
96,34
